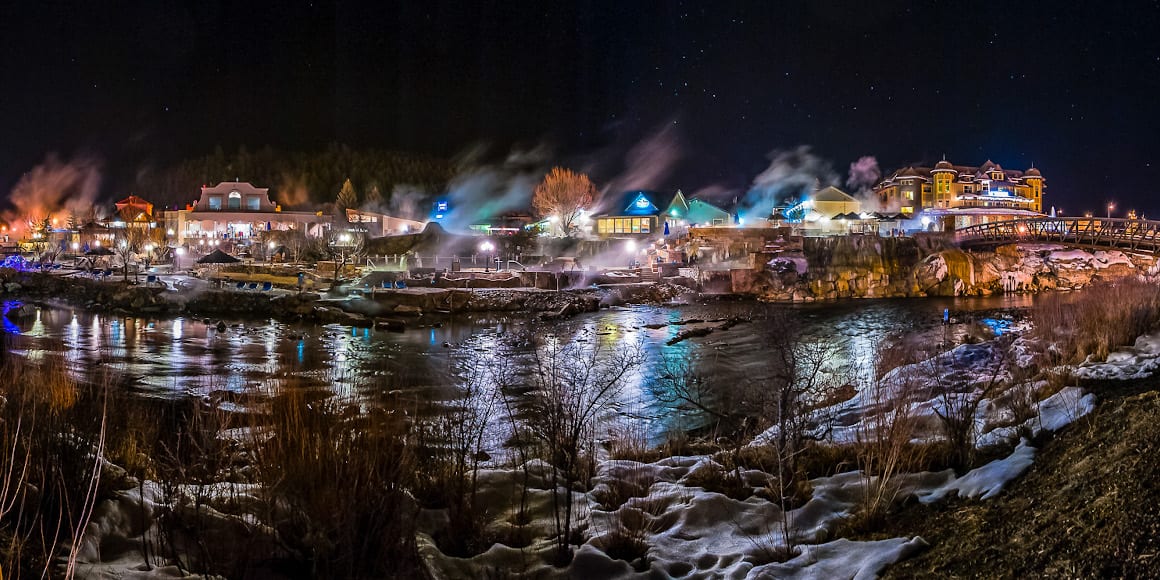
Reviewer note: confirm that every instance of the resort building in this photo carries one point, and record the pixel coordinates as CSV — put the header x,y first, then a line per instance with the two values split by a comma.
x,y
238,211
649,212
377,225
948,186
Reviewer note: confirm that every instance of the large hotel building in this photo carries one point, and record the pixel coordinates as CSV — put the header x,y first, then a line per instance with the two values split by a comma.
x,y
947,186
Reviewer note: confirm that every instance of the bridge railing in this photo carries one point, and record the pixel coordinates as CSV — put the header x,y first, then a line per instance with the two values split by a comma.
x,y
1110,232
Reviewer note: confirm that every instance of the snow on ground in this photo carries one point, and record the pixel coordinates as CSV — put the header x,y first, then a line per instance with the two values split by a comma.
x,y
986,481
1081,259
1136,362
688,531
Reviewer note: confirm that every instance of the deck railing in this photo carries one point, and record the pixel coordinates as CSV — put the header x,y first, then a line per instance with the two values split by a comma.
x,y
1128,234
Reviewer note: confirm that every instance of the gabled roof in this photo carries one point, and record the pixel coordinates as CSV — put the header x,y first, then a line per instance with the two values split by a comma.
x,y
639,203
832,193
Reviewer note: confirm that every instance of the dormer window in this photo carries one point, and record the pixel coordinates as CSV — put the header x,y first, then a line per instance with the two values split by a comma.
x,y
235,200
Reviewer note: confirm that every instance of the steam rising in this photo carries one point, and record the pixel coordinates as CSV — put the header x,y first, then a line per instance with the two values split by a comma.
x,y
864,175
648,163
480,191
790,176
54,189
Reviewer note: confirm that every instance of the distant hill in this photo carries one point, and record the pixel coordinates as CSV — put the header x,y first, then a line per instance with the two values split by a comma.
x,y
301,178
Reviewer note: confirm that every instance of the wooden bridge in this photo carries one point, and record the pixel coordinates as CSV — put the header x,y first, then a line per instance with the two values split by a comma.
x,y
1091,232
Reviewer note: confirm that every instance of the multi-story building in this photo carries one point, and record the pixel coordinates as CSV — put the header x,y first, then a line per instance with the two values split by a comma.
x,y
236,210
948,186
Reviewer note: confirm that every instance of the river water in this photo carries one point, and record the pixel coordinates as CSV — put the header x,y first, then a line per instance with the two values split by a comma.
x,y
183,356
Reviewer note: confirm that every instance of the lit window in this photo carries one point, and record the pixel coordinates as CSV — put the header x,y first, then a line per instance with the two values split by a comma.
x,y
215,202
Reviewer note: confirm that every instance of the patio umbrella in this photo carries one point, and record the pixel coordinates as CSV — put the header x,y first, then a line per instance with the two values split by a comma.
x,y
666,228
99,251
217,257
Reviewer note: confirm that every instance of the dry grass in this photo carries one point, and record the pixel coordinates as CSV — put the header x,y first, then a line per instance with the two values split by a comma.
x,y
1098,320
52,436
338,482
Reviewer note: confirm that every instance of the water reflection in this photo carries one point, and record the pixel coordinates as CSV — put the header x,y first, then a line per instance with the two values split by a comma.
x,y
181,356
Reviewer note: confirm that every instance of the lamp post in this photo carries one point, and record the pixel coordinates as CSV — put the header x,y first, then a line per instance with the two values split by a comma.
x,y
342,243
1111,206
487,248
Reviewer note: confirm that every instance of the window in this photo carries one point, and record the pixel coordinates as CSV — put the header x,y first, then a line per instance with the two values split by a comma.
x,y
253,203
624,225
910,195
215,202
235,200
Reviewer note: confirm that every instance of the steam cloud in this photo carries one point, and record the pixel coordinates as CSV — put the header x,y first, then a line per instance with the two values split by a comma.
x,y
864,175
54,189
480,191
648,163
791,175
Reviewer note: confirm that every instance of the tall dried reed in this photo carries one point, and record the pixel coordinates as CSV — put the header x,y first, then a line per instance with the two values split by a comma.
x,y
1096,321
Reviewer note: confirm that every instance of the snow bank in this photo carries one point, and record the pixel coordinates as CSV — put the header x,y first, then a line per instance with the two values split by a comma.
x,y
986,481
1139,361
845,559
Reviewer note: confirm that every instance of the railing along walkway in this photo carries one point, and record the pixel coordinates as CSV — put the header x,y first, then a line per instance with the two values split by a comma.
x,y
1126,234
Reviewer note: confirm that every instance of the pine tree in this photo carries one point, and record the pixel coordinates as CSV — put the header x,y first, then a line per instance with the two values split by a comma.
x,y
347,199
374,198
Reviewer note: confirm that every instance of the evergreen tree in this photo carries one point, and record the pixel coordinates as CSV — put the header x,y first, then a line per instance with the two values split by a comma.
x,y
347,198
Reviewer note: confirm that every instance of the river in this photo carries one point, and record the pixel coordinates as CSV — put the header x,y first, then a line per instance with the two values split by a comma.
x,y
183,356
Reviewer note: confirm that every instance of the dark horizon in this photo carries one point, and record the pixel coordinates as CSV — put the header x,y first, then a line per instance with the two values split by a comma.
x,y
141,86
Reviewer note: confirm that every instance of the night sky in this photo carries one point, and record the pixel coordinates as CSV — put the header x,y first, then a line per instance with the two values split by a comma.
x,y
1073,88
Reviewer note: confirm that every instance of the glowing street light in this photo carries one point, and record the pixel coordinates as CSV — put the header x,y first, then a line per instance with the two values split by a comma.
x,y
486,247
1111,206
630,245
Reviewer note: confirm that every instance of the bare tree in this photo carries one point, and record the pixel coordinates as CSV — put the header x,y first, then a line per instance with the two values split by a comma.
x,y
344,247
295,242
790,402
574,385
563,194
128,243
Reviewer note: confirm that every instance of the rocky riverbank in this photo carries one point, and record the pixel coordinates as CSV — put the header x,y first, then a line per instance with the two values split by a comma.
x,y
390,309
871,267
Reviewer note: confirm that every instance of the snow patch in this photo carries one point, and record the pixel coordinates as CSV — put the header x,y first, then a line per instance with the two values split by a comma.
x,y
1139,361
986,481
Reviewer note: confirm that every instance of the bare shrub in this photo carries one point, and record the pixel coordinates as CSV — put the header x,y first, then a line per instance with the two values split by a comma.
x,y
451,441
789,401
884,447
961,381
574,386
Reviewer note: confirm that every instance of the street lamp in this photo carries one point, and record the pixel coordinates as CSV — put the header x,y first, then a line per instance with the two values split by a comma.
x,y
486,248
1111,206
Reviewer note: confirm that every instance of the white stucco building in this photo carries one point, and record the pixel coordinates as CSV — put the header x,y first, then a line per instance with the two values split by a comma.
x,y
237,211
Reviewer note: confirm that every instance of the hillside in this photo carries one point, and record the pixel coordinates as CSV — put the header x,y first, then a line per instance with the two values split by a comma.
x,y
1088,507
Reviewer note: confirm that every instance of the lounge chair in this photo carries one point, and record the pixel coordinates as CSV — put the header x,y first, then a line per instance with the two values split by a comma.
x,y
150,280
252,286
400,284
267,286
387,284
241,285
